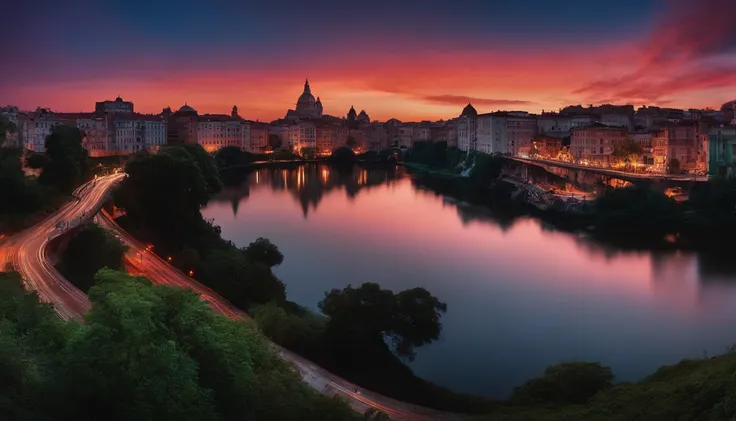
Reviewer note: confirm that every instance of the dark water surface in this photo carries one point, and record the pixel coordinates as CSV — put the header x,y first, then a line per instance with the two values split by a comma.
x,y
520,296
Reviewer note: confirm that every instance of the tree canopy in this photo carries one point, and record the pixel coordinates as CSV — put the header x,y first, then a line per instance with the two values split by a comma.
x,y
409,319
264,251
89,251
145,353
67,159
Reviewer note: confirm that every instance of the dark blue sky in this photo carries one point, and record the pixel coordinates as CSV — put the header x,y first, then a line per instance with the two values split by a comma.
x,y
566,51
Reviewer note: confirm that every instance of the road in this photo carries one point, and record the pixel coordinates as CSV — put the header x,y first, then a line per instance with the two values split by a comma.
x,y
27,251
144,262
610,172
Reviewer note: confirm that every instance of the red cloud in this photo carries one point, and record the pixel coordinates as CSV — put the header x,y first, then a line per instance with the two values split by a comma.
x,y
462,100
680,55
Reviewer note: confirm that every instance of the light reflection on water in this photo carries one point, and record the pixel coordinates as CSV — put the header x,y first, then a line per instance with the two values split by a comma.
x,y
520,296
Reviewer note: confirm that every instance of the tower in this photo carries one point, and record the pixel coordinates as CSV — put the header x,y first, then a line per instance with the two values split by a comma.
x,y
234,113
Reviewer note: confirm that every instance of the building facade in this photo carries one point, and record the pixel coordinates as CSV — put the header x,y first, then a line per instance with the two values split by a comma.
x,y
215,131
594,144
114,107
491,135
520,130
721,147
674,148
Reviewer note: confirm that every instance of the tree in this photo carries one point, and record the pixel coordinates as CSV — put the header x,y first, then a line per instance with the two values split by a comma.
x,y
232,156
240,280
486,170
36,160
6,127
66,163
89,251
568,383
162,195
369,314
264,251
342,156
274,141
207,165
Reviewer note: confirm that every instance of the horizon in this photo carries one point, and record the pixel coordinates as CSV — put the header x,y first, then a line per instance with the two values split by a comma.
x,y
415,61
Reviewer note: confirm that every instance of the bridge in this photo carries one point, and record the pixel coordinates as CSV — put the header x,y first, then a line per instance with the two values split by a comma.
x,y
622,175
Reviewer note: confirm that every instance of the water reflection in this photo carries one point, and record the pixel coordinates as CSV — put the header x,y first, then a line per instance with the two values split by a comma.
x,y
520,295
308,184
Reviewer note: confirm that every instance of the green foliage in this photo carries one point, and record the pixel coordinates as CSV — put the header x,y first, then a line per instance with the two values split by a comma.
x,y
568,383
232,156
486,170
207,166
163,193
240,280
303,331
66,165
89,251
36,160
19,195
6,127
369,314
264,251
274,141
145,353
342,156
635,212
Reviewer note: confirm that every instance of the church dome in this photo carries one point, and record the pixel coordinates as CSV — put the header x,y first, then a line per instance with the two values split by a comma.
x,y
469,111
187,109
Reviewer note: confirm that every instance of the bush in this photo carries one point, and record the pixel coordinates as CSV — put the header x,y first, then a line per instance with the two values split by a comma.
x,y
568,383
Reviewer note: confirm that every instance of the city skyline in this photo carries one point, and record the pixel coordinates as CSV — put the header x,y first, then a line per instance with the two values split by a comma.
x,y
414,61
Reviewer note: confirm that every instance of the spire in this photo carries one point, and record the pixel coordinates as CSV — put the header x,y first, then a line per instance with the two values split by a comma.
x,y
306,87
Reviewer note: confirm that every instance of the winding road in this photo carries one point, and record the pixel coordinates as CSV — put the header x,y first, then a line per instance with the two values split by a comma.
x,y
27,251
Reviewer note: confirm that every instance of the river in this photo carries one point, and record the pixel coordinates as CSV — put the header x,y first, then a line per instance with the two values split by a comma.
x,y
521,296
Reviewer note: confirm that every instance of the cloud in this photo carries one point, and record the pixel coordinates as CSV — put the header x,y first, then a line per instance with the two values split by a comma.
x,y
463,100
687,50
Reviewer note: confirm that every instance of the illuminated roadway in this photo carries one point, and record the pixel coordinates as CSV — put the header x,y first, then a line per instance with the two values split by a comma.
x,y
27,251
146,263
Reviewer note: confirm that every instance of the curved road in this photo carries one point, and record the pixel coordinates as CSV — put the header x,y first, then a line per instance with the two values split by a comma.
x,y
146,263
27,251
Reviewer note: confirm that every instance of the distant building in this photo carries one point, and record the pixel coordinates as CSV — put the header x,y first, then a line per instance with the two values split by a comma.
x,y
520,130
34,127
466,130
594,144
114,107
491,134
182,125
96,134
215,131
306,106
722,151
259,133
676,143
137,132
547,147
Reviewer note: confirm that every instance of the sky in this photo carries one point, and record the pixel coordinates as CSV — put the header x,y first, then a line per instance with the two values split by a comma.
x,y
405,59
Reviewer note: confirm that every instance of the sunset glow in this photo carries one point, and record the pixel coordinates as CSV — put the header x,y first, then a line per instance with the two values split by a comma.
x,y
421,60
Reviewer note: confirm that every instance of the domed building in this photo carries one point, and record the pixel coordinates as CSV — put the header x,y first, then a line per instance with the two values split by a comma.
x,y
469,111
306,106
